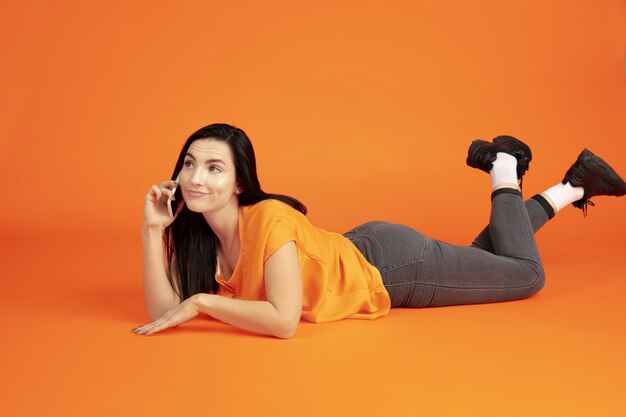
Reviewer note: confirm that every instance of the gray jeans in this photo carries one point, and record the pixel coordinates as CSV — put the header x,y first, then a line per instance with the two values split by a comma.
x,y
502,264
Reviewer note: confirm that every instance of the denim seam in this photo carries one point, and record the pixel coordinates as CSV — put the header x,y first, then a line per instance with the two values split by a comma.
x,y
402,264
379,259
530,238
471,288
373,229
524,262
527,226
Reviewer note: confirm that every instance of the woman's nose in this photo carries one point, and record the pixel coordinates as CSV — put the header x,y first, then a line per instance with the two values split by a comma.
x,y
197,177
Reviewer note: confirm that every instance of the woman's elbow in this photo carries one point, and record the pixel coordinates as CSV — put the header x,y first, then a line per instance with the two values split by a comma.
x,y
288,329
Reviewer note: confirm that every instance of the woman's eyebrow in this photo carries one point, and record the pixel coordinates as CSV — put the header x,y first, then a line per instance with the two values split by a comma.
x,y
208,161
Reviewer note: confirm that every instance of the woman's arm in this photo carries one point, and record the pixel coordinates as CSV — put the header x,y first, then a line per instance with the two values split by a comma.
x,y
280,314
157,291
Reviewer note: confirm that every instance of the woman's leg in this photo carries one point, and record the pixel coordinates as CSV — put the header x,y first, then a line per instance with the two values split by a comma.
x,y
511,267
589,176
539,211
469,275
420,272
503,263
509,238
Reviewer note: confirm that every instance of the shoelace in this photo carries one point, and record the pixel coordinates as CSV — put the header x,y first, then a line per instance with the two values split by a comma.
x,y
522,168
582,204
587,203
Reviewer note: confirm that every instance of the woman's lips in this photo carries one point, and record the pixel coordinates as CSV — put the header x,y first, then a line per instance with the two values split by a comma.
x,y
195,193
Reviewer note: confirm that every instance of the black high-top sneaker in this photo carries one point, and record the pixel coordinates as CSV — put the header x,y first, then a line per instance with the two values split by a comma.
x,y
481,154
596,177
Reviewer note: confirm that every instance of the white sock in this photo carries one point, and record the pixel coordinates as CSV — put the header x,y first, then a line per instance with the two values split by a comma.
x,y
504,170
563,194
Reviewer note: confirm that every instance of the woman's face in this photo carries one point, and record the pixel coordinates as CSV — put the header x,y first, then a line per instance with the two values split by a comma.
x,y
208,170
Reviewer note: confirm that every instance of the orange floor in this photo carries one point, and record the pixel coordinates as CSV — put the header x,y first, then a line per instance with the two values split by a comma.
x,y
68,349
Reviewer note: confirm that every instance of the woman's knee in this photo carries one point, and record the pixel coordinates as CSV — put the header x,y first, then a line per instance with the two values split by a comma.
x,y
538,280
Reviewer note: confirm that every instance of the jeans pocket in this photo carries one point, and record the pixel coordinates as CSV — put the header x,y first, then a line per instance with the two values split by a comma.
x,y
399,253
401,246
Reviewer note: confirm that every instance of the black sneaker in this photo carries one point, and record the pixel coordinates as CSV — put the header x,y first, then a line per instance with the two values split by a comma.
x,y
596,177
481,154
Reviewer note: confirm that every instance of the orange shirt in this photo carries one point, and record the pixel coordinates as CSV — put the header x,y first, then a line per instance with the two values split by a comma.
x,y
337,281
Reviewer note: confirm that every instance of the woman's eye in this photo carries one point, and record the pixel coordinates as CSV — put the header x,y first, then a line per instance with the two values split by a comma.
x,y
188,163
214,169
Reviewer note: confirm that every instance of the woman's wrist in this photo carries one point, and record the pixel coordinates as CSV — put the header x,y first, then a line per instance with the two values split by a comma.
x,y
150,230
201,302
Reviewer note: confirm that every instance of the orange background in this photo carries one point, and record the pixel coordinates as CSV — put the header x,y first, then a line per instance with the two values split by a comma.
x,y
362,110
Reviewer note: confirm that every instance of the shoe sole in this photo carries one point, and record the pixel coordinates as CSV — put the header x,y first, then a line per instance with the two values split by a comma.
x,y
604,170
473,150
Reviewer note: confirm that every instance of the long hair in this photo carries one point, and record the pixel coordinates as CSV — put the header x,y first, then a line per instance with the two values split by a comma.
x,y
190,244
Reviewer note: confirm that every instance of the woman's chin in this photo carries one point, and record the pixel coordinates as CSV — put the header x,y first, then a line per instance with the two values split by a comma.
x,y
196,208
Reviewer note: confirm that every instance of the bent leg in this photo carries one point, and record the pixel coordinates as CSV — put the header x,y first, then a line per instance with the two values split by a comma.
x,y
539,213
418,271
469,275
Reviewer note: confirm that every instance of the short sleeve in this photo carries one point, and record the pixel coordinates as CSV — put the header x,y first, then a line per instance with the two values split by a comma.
x,y
282,229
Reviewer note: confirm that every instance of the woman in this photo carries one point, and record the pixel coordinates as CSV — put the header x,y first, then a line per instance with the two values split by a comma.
x,y
253,259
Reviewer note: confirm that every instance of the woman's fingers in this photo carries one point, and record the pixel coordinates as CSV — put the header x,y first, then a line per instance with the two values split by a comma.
x,y
162,194
143,329
169,193
156,192
157,325
147,328
164,191
169,184
179,314
157,204
167,188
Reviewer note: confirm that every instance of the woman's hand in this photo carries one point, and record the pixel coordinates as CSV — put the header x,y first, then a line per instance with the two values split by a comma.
x,y
181,313
155,213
